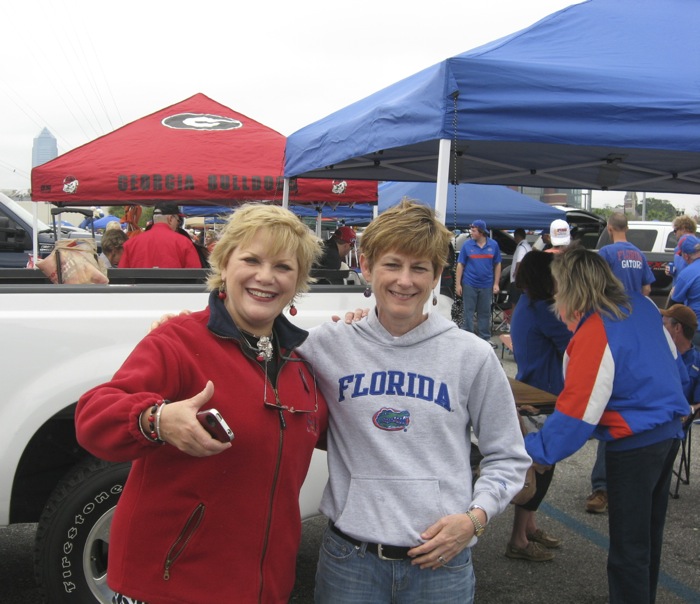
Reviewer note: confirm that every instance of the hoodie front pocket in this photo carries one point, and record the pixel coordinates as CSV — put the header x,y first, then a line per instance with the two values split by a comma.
x,y
396,510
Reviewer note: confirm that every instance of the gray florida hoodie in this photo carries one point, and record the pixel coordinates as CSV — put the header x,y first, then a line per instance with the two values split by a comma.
x,y
401,414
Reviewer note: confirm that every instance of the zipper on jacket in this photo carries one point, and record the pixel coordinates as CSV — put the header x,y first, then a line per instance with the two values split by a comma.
x,y
283,426
183,539
280,447
269,511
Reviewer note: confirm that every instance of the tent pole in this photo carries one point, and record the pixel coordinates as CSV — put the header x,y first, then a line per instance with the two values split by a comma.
x,y
285,193
443,177
319,220
35,235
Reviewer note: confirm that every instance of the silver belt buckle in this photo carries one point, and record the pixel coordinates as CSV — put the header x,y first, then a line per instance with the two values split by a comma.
x,y
382,556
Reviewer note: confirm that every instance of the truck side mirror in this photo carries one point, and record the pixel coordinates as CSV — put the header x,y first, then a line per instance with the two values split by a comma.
x,y
11,236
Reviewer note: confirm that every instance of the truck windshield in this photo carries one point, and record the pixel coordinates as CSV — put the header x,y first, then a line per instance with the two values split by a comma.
x,y
23,214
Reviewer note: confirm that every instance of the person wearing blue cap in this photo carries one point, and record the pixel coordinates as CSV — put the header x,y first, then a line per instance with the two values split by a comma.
x,y
687,288
477,278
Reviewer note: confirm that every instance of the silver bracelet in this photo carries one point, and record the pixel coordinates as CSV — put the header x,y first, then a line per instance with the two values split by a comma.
x,y
141,427
160,410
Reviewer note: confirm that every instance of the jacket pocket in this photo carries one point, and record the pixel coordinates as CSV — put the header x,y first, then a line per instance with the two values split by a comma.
x,y
180,544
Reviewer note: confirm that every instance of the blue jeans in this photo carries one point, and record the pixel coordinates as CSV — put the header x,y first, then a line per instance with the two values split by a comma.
x,y
347,574
599,481
478,299
638,485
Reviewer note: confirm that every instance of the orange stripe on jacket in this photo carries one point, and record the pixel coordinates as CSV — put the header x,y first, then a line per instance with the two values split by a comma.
x,y
589,373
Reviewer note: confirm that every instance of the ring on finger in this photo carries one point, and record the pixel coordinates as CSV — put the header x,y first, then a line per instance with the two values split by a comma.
x,y
442,560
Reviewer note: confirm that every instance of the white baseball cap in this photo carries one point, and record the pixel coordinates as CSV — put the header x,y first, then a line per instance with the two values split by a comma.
x,y
559,232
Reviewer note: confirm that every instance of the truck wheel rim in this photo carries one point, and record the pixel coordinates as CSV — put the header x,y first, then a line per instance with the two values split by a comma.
x,y
95,558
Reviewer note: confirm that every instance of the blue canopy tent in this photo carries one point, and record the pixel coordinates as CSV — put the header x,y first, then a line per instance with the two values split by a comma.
x,y
357,214
602,95
500,207
207,211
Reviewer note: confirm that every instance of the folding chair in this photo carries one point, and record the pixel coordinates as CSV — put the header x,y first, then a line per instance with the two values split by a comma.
x,y
501,311
682,474
506,342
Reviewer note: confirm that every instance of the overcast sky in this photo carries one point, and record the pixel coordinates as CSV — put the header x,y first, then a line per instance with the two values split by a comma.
x,y
83,68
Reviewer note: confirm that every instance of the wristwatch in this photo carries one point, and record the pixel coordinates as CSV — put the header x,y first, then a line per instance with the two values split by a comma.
x,y
478,527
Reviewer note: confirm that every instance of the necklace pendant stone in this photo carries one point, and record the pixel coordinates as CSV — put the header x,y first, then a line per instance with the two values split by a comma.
x,y
264,348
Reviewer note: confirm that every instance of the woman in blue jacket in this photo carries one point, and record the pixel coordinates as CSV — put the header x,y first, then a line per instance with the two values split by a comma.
x,y
539,341
622,384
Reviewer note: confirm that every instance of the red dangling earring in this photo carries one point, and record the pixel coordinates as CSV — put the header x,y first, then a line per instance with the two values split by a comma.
x,y
293,310
222,292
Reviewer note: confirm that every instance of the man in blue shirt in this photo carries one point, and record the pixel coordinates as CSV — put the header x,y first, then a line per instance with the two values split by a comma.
x,y
687,288
627,261
478,276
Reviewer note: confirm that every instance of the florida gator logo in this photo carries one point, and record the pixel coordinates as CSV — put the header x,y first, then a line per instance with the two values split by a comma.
x,y
391,420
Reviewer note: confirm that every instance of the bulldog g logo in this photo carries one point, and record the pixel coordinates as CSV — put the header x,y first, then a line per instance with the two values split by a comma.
x,y
70,184
339,186
200,121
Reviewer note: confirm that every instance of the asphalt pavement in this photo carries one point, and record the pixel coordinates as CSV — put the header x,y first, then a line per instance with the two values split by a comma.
x,y
576,575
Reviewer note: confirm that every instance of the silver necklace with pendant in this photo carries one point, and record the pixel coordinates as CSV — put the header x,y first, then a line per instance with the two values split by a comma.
x,y
263,347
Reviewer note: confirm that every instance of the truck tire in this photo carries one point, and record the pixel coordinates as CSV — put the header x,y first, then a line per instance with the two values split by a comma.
x,y
72,539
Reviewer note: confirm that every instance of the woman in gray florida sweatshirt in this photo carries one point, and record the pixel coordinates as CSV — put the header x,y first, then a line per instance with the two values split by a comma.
x,y
405,388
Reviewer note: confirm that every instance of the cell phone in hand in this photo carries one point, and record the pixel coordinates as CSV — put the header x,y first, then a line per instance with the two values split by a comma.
x,y
214,423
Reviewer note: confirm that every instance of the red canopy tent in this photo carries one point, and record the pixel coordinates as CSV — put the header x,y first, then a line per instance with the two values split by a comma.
x,y
195,152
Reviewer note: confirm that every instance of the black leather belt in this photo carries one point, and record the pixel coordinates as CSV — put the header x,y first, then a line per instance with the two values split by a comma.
x,y
383,552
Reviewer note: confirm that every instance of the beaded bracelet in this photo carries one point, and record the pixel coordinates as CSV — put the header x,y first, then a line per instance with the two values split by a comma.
x,y
153,422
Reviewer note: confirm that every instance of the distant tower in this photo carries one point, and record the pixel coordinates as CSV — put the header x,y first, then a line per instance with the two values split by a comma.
x,y
44,148
631,203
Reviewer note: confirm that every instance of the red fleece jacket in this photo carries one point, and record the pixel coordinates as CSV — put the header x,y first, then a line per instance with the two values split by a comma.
x,y
234,517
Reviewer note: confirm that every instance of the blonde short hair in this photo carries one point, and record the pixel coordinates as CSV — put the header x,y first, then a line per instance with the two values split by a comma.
x,y
287,233
686,223
409,228
585,283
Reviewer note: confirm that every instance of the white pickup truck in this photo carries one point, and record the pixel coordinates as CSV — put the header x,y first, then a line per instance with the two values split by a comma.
x,y
59,341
